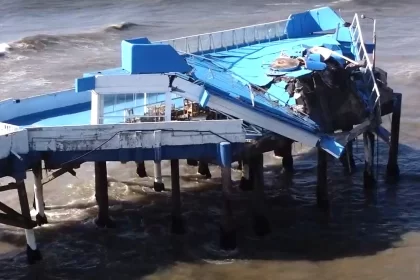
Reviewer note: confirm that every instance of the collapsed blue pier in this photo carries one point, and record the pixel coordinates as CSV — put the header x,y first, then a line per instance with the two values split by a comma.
x,y
310,78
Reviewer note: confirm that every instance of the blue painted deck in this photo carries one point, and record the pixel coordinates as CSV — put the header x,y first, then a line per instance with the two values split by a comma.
x,y
80,114
228,74
224,72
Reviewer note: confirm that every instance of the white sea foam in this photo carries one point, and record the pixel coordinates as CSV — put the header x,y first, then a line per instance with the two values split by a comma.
x,y
4,48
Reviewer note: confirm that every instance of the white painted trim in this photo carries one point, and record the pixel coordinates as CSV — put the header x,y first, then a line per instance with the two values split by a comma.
x,y
191,92
15,142
145,108
121,84
120,136
168,106
97,108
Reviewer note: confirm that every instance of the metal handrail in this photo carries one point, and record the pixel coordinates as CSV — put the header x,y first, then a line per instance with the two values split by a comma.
x,y
211,41
361,54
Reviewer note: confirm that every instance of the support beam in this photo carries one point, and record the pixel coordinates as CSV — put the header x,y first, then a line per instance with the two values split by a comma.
x,y
392,169
368,174
322,195
261,223
101,193
32,252
177,221
227,228
41,218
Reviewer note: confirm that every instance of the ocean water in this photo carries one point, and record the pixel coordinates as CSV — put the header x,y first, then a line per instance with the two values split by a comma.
x,y
45,44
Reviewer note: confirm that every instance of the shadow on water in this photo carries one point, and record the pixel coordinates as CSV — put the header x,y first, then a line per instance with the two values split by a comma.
x,y
361,223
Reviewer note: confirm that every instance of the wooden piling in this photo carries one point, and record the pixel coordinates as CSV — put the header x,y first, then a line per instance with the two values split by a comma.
x,y
177,221
40,217
287,159
101,193
192,162
158,183
157,165
347,158
261,224
322,195
368,174
227,227
32,252
285,151
392,169
246,183
203,169
141,169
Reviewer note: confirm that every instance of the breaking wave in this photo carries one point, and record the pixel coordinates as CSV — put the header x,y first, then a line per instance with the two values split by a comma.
x,y
4,48
42,41
122,26
36,42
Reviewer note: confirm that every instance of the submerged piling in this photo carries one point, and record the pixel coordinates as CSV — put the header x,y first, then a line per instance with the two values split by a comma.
x,y
141,169
392,169
368,174
41,218
246,183
261,223
157,166
101,193
177,226
322,195
347,158
203,169
227,227
32,252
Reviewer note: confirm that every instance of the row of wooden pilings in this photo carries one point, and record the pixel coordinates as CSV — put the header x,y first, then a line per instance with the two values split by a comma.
x,y
252,180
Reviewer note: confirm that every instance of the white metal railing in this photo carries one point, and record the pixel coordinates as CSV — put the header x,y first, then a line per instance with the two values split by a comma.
x,y
6,128
361,54
235,37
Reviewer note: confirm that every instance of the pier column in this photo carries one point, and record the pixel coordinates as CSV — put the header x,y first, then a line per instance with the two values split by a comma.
x,y
177,221
261,223
322,196
368,174
141,169
246,183
240,164
286,153
227,228
203,169
192,162
347,158
32,252
101,193
157,166
392,169
41,218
